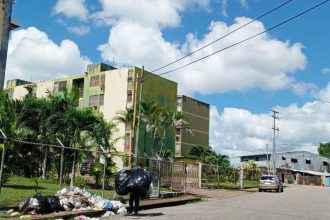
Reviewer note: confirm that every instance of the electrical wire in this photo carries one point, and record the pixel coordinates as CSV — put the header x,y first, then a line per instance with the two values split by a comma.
x,y
222,37
247,39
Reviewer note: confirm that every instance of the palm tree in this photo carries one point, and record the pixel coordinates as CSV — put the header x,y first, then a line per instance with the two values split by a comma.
x,y
200,152
170,121
126,117
77,121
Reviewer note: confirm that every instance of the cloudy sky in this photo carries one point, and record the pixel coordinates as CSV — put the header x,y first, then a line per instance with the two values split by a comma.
x,y
287,69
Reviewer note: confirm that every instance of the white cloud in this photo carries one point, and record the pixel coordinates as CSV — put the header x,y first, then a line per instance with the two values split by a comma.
x,y
244,4
156,13
264,62
71,9
325,70
31,54
132,43
224,8
238,132
79,30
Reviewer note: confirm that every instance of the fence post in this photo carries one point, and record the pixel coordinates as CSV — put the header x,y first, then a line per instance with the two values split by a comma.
x,y
241,177
2,157
218,172
61,165
104,168
200,175
159,175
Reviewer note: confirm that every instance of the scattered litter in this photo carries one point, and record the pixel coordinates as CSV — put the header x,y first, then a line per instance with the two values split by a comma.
x,y
108,213
122,211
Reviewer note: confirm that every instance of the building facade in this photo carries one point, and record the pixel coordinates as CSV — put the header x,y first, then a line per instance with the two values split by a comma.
x,y
296,161
109,90
198,114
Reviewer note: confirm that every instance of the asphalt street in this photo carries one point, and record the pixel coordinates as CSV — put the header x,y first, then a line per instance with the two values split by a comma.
x,y
296,202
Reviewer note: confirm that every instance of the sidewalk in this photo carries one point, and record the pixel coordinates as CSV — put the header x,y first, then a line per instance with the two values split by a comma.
x,y
144,204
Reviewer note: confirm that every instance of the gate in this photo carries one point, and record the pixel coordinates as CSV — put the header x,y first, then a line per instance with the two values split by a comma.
x,y
192,179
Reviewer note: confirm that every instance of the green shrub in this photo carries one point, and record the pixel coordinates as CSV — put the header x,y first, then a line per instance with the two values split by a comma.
x,y
80,182
290,180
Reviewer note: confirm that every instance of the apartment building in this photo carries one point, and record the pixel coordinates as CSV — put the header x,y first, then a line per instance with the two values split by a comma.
x,y
198,114
109,90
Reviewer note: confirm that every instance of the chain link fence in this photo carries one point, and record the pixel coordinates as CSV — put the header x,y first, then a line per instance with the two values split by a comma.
x,y
219,177
29,168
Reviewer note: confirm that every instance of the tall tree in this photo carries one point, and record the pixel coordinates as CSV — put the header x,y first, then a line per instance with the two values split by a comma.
x,y
324,149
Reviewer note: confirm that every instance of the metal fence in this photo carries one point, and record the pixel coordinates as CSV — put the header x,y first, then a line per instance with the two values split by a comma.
x,y
219,177
28,168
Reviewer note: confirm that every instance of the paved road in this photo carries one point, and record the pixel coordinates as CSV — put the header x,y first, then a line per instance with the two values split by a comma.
x,y
297,202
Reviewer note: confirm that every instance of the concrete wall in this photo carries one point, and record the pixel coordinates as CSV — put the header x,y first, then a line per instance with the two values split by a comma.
x,y
115,97
198,114
43,88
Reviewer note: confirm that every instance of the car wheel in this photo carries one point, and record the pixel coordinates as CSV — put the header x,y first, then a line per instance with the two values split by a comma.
x,y
260,190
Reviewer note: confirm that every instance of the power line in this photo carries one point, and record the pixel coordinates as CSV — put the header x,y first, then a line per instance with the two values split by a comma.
x,y
220,38
247,39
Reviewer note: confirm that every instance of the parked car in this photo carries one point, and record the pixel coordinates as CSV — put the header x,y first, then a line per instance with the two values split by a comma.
x,y
270,182
86,167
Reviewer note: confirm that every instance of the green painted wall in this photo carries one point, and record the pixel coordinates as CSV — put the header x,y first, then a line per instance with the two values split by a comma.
x,y
164,92
198,114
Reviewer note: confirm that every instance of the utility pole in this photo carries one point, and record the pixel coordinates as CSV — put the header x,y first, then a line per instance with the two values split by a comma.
x,y
275,117
137,130
5,27
267,159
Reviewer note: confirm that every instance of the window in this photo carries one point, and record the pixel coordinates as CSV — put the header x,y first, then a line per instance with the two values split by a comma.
x,y
129,96
101,100
294,160
102,80
130,75
61,86
325,163
283,158
308,161
267,178
95,81
93,100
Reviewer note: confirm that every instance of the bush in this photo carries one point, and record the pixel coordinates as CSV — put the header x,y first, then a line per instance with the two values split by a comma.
x,y
80,182
290,180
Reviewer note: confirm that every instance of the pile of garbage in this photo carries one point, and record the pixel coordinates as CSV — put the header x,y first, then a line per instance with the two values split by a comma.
x,y
71,199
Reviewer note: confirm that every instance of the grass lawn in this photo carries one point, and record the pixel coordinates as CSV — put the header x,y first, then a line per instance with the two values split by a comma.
x,y
17,189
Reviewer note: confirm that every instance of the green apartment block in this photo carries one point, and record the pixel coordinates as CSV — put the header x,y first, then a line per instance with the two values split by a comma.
x,y
109,90
198,114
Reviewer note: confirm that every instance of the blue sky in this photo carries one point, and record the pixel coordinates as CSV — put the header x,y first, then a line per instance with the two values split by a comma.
x,y
287,69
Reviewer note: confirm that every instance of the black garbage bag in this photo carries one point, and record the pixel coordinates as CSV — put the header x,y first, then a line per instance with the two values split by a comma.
x,y
139,182
39,204
35,204
53,204
121,181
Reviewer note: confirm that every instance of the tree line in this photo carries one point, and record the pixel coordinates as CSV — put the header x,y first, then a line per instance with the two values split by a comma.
x,y
44,120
